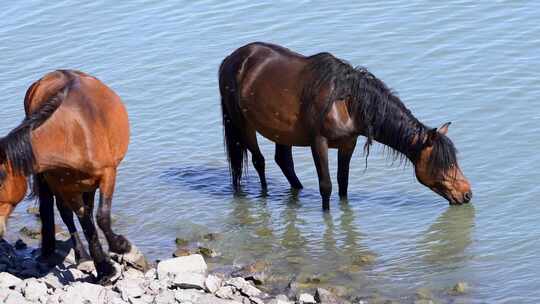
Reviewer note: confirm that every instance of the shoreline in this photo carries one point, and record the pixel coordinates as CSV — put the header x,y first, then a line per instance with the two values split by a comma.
x,y
183,279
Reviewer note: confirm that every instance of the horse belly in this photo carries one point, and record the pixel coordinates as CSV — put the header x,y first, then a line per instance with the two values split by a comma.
x,y
70,181
276,121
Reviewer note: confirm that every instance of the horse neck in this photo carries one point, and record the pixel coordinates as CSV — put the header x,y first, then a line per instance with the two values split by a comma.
x,y
400,131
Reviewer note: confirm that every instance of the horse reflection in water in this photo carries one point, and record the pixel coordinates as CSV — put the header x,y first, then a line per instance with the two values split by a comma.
x,y
447,239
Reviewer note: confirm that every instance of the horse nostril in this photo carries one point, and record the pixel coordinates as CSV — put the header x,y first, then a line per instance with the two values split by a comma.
x,y
467,196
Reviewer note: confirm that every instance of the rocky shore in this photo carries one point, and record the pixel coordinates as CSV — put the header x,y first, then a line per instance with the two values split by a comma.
x,y
183,279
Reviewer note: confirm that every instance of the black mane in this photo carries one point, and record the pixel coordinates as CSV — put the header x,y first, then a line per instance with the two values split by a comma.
x,y
16,147
383,116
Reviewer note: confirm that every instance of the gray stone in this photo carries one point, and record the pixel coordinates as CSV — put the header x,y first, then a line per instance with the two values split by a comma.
x,y
244,287
324,296
8,280
34,290
84,292
192,263
212,283
306,298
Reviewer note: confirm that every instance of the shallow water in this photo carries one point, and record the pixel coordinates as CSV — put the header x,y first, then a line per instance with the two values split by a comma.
x,y
470,63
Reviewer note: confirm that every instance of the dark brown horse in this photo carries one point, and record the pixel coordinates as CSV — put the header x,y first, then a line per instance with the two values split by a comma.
x,y
72,139
323,102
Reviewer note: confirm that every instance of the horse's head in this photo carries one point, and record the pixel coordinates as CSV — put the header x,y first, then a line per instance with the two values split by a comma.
x,y
436,167
12,191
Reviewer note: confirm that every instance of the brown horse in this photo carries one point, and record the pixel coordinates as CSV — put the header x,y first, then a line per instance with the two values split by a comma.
x,y
323,102
72,139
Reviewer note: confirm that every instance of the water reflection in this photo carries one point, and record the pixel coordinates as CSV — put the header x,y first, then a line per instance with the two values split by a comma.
x,y
445,242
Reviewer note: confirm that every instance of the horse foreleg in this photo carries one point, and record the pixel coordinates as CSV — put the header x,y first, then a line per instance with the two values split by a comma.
x,y
81,254
283,158
319,149
117,243
46,214
344,158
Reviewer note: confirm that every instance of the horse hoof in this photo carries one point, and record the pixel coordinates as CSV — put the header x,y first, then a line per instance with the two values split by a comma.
x,y
120,245
106,273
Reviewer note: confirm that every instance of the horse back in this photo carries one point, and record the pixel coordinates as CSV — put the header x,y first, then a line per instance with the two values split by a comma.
x,y
88,132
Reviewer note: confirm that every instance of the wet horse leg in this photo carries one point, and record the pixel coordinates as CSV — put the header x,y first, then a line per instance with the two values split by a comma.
x,y
67,216
319,149
256,156
117,243
283,158
46,214
102,262
344,158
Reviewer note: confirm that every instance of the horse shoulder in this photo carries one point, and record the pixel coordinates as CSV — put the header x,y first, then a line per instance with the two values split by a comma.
x,y
338,123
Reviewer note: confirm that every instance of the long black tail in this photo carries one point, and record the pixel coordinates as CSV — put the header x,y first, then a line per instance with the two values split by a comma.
x,y
233,121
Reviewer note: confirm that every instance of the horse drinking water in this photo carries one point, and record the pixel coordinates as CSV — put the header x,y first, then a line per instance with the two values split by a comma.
x,y
72,139
323,102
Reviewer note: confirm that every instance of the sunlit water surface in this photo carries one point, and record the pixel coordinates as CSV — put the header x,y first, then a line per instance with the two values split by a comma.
x,y
473,64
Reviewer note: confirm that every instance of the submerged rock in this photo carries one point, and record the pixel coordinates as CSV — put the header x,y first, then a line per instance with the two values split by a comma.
x,y
181,242
460,288
30,233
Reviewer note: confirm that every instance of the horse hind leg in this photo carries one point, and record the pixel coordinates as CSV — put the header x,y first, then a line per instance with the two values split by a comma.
x,y
250,138
117,243
283,158
81,255
104,267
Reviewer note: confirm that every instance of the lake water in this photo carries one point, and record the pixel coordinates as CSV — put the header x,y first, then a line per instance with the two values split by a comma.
x,y
475,63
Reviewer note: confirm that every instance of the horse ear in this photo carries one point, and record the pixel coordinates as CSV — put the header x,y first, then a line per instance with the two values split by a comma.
x,y
433,134
444,128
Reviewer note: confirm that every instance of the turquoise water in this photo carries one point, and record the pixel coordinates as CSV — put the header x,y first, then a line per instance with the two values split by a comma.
x,y
473,63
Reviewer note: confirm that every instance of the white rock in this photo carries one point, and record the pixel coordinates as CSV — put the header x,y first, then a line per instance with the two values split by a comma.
x,y
187,280
130,288
244,287
212,283
192,263
210,299
84,292
15,298
279,301
165,297
151,274
132,273
34,290
188,295
225,292
8,280
306,298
